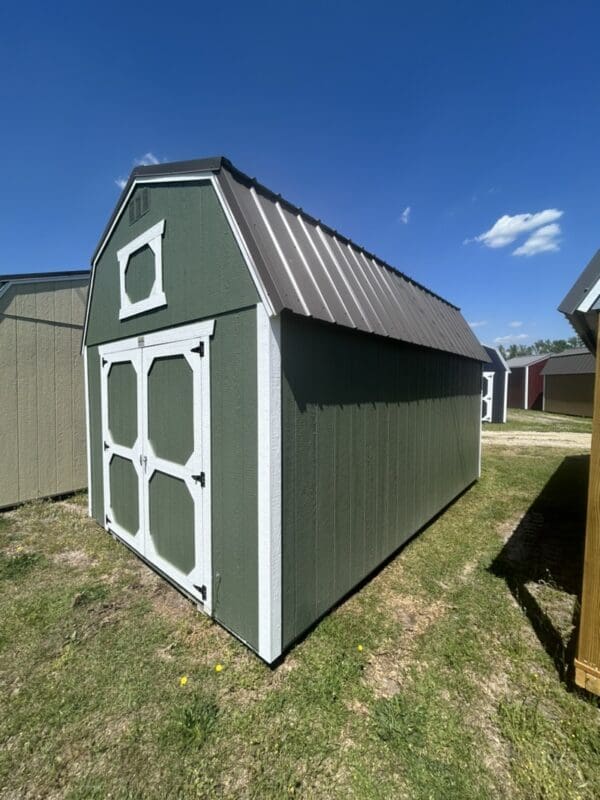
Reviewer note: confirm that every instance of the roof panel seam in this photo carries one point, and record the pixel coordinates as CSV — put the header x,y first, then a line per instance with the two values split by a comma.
x,y
343,277
280,252
325,270
360,286
305,263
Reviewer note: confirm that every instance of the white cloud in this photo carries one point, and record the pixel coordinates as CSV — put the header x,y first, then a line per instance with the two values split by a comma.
x,y
506,229
478,324
515,324
512,337
405,216
544,240
148,159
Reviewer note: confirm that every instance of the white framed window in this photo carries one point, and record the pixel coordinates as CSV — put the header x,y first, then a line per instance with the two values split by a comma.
x,y
156,298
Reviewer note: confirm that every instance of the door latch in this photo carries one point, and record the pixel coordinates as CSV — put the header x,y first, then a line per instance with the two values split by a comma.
x,y
201,591
201,479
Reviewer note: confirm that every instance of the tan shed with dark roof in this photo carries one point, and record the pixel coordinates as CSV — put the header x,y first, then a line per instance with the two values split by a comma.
x,y
569,383
42,424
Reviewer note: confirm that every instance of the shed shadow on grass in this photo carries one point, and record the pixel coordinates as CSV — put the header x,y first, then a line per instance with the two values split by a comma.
x,y
542,562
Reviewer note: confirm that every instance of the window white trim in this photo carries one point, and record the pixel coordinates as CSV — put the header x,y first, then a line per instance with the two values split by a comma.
x,y
157,298
197,176
268,351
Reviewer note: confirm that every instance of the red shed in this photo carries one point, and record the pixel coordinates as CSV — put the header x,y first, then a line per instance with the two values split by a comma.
x,y
525,382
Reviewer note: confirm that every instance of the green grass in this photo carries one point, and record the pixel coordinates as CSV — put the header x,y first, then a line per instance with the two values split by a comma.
x,y
521,420
461,689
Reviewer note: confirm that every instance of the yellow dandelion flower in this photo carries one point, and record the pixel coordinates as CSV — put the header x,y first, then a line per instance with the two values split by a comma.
x,y
219,668
183,680
360,648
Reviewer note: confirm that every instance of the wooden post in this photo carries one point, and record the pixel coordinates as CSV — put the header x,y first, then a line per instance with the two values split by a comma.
x,y
587,663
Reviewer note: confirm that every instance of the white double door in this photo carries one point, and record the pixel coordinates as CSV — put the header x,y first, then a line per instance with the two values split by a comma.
x,y
156,451
487,396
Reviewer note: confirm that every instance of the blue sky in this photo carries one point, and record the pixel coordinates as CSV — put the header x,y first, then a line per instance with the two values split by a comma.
x,y
462,112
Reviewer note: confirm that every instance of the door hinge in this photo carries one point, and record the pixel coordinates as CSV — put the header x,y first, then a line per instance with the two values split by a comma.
x,y
104,362
107,519
199,349
106,445
201,591
201,479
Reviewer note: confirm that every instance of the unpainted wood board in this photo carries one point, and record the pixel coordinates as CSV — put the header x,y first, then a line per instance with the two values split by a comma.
x,y
588,649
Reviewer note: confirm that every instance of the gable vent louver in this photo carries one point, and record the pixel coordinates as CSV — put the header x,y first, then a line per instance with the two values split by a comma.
x,y
139,205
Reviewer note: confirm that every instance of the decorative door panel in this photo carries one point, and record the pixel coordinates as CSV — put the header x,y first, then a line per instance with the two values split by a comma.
x,y
156,451
122,426
173,468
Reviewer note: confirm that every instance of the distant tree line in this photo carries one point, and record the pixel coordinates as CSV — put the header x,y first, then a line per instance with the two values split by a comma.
x,y
541,347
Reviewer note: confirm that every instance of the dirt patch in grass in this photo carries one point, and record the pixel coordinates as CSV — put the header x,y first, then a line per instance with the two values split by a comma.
x,y
555,439
483,716
78,559
387,668
76,508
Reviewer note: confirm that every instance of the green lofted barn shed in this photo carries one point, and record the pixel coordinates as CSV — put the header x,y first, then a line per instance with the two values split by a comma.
x,y
272,410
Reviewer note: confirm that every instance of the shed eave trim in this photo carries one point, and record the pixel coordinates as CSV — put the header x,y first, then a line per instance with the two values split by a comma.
x,y
50,279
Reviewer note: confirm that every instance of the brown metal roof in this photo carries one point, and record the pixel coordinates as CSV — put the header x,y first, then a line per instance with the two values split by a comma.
x,y
308,268
578,361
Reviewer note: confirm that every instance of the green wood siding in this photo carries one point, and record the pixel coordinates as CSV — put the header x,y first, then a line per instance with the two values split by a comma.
x,y
124,493
204,273
171,408
139,275
42,424
377,438
123,403
171,521
234,474
95,434
205,277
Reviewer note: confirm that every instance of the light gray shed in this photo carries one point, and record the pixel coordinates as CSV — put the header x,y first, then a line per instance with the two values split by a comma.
x,y
42,409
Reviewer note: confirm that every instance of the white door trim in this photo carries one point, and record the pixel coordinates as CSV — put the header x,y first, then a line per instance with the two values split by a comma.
x,y
88,451
110,447
268,352
132,349
487,401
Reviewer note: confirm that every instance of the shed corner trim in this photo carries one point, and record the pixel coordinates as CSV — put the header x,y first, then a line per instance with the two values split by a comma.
x,y
268,352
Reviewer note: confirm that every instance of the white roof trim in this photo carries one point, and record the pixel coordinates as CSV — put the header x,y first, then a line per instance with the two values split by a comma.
x,y
195,176
590,298
50,279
